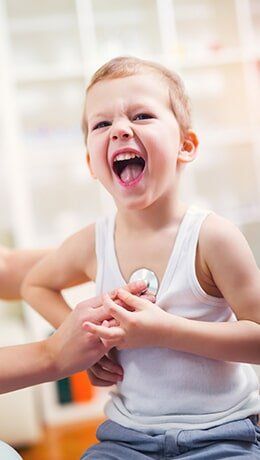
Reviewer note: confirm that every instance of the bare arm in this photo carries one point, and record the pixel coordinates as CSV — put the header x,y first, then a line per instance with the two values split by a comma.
x,y
237,276
14,266
63,268
69,350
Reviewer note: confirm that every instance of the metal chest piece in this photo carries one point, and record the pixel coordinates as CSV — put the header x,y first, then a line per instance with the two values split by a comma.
x,y
147,275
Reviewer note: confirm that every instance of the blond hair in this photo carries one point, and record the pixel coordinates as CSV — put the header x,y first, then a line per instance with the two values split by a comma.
x,y
126,66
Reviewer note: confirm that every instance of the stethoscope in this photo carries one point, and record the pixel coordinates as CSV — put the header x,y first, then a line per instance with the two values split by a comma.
x,y
146,275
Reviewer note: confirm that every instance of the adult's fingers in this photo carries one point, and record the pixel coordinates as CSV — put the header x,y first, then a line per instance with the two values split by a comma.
x,y
93,302
109,365
106,369
100,382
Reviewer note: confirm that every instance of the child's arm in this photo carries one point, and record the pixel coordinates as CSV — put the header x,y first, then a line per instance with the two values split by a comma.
x,y
238,278
66,267
14,266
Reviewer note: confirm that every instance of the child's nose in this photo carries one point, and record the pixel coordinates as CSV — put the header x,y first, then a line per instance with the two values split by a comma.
x,y
121,132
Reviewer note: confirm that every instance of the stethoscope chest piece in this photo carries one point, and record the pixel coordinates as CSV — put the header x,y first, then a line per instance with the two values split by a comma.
x,y
147,275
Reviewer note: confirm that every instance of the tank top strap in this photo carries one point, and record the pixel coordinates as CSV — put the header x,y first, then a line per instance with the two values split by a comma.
x,y
178,249
101,226
196,219
104,228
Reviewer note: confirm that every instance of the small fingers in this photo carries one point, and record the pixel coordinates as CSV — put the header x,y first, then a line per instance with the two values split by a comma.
x,y
110,323
138,303
108,333
117,311
148,295
135,287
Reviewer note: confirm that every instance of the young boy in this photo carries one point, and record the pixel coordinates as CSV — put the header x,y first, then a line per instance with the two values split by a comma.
x,y
185,392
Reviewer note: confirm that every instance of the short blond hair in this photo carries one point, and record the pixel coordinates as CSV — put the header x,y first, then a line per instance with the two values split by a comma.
x,y
126,66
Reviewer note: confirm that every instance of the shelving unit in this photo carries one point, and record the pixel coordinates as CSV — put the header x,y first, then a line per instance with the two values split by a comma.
x,y
49,51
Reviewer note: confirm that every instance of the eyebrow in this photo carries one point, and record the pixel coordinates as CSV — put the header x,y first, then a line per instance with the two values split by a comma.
x,y
133,107
98,115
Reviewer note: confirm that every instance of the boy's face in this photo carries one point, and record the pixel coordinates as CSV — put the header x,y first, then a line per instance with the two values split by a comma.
x,y
133,138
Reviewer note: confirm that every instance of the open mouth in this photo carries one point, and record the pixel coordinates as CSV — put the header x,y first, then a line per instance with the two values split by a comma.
x,y
128,167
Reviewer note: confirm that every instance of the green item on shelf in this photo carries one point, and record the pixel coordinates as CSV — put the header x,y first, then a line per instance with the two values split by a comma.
x,y
64,391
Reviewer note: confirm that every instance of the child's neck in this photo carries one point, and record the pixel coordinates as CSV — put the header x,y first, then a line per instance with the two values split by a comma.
x,y
156,217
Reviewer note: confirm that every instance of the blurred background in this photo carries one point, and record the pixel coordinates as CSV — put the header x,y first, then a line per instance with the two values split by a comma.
x,y
48,51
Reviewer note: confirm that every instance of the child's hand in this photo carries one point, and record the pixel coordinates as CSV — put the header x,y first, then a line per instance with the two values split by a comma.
x,y
105,372
140,325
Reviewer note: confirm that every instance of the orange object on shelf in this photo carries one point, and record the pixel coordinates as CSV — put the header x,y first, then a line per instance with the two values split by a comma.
x,y
81,388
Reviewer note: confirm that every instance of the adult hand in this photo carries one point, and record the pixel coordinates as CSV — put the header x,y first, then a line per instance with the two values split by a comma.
x,y
71,348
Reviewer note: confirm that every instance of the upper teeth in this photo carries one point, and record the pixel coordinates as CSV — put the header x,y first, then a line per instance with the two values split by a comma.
x,y
125,156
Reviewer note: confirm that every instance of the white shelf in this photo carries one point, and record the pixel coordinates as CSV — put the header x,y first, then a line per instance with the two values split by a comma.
x,y
207,58
50,73
55,413
38,24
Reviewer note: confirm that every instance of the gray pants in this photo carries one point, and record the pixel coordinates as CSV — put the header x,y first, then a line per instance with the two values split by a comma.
x,y
239,439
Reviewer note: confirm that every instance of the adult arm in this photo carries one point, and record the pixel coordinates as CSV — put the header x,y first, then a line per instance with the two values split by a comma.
x,y
70,349
14,266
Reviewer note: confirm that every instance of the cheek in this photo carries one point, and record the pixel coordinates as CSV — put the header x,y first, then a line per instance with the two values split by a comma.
x,y
163,146
97,155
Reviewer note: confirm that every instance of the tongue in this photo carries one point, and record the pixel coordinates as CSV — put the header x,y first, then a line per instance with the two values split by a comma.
x,y
130,173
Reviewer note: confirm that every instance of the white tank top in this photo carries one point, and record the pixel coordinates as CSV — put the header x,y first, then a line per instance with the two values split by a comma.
x,y
163,388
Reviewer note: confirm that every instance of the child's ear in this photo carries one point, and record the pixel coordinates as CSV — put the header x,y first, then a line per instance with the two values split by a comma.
x,y
189,148
89,165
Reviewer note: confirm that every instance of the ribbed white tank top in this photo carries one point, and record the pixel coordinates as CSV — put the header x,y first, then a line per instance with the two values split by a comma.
x,y
164,388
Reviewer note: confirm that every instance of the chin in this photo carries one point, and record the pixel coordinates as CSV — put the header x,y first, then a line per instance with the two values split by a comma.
x,y
135,204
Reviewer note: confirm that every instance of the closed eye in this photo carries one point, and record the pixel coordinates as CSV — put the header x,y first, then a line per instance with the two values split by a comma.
x,y
142,116
101,124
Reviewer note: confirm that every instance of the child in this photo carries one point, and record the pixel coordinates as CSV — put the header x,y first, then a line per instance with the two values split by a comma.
x,y
184,392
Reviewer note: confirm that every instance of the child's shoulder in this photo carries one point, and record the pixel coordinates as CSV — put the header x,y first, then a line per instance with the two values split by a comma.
x,y
226,254
231,264
218,233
